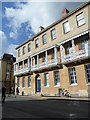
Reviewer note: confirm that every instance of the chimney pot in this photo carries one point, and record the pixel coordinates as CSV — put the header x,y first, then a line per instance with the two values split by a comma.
x,y
65,11
41,28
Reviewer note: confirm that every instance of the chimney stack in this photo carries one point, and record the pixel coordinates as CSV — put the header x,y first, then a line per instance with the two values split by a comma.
x,y
41,28
65,12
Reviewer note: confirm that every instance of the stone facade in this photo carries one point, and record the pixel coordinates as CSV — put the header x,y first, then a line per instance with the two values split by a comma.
x,y
57,57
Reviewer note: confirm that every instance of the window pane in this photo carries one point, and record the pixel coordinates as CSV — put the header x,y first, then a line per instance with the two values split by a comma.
x,y
72,75
44,39
29,47
29,81
19,53
46,79
36,43
87,68
23,82
53,34
66,27
23,50
56,78
80,19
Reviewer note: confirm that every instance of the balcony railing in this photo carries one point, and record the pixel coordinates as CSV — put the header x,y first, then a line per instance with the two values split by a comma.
x,y
44,65
81,54
22,71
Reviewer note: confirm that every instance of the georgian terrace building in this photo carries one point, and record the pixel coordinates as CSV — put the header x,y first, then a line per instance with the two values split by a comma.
x,y
7,77
57,57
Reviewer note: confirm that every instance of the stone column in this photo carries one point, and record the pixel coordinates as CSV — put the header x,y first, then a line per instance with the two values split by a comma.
x,y
73,46
18,65
29,63
23,64
37,60
46,57
61,52
55,54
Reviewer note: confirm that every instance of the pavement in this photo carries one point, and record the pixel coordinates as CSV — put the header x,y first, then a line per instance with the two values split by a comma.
x,y
38,97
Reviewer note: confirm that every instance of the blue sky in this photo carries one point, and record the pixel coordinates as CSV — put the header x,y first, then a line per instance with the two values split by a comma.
x,y
21,20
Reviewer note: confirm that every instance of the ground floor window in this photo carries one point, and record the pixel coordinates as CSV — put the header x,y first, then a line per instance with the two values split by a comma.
x,y
87,69
18,82
72,76
29,81
56,78
46,79
23,82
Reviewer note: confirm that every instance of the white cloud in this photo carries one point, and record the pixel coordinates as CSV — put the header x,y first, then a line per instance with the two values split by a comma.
x,y
5,47
35,14
3,42
11,49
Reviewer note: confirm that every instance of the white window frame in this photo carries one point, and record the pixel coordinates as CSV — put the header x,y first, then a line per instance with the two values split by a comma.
x,y
44,39
46,79
23,82
80,19
66,27
23,50
29,47
18,81
53,54
29,81
19,53
56,76
72,76
53,34
87,71
37,43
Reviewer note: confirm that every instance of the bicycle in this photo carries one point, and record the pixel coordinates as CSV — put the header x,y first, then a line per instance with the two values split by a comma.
x,y
63,92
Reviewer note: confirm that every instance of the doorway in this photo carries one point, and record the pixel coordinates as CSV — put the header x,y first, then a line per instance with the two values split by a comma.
x,y
38,83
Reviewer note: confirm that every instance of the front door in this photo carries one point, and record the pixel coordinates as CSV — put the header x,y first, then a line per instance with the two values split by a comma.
x,y
38,84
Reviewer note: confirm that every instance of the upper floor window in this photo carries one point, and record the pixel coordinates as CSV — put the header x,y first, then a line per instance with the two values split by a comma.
x,y
29,47
66,27
53,34
46,79
80,19
29,81
23,50
87,69
36,43
19,53
72,75
44,39
56,78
